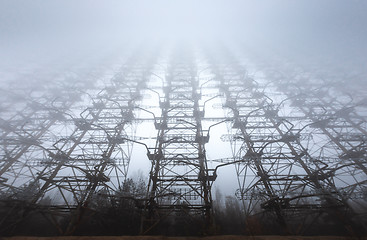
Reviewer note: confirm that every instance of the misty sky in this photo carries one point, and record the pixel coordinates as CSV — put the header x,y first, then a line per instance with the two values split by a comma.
x,y
283,25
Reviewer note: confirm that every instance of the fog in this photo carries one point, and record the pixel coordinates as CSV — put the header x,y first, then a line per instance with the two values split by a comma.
x,y
246,112
297,28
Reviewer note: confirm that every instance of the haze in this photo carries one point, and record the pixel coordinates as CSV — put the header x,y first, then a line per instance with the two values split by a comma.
x,y
318,28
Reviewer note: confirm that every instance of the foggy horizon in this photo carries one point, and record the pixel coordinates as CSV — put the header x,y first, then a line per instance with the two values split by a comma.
x,y
315,28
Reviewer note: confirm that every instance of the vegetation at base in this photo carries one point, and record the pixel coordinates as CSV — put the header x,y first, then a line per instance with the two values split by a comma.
x,y
120,214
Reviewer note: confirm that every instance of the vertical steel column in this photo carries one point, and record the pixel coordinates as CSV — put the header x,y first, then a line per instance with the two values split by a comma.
x,y
179,182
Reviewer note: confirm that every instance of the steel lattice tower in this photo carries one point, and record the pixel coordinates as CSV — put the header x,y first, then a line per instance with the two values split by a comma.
x,y
297,142
180,182
90,154
275,170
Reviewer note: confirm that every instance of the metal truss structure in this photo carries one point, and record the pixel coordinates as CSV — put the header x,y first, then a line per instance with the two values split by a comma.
x,y
56,153
299,154
180,180
298,143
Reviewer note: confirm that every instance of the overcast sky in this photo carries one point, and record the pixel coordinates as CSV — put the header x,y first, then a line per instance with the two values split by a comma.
x,y
310,22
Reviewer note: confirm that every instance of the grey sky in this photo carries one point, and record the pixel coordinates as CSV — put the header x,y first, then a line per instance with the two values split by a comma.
x,y
325,20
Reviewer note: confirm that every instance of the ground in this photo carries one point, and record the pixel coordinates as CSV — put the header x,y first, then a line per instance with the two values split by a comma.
x,y
183,238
